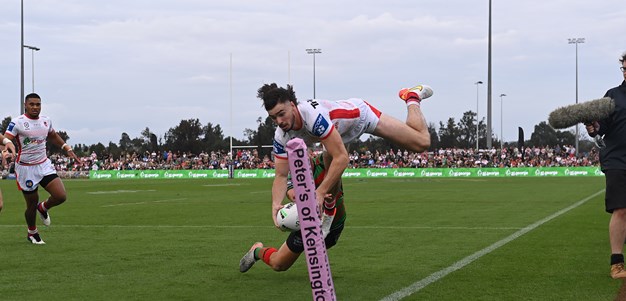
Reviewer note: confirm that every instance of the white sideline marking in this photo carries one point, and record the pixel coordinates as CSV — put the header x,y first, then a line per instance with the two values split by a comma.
x,y
417,286
143,203
259,226
118,191
434,228
219,185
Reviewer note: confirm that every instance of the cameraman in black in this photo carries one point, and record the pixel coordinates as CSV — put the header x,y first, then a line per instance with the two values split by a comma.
x,y
612,132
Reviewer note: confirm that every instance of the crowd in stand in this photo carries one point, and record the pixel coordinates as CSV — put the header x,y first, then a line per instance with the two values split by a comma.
x,y
250,159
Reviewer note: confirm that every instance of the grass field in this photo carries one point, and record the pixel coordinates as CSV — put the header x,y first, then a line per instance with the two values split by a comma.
x,y
405,239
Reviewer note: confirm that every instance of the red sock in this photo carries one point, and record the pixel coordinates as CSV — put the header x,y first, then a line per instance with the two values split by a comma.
x,y
32,230
329,206
266,253
42,207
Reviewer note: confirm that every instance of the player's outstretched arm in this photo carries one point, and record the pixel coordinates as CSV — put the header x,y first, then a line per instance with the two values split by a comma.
x,y
55,139
279,187
337,151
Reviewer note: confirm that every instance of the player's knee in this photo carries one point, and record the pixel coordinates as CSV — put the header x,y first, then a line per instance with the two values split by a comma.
x,y
620,213
60,199
280,267
420,145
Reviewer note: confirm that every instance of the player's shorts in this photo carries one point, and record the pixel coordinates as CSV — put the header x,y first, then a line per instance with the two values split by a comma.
x,y
615,195
30,176
368,120
294,241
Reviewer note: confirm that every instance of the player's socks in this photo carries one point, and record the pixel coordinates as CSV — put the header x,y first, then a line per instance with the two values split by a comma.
x,y
265,254
43,213
329,207
42,206
328,215
33,236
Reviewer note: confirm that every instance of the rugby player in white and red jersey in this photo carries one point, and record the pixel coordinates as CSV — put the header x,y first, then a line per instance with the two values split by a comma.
x,y
8,151
334,123
32,166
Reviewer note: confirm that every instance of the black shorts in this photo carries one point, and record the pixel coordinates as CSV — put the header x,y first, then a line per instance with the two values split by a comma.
x,y
615,196
294,241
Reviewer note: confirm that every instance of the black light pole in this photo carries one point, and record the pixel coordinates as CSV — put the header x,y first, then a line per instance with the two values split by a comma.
x,y
22,61
501,121
576,41
313,51
477,104
489,84
33,49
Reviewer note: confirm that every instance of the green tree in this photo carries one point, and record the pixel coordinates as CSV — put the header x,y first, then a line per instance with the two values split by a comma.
x,y
125,143
185,137
150,141
466,130
448,134
213,138
543,135
5,124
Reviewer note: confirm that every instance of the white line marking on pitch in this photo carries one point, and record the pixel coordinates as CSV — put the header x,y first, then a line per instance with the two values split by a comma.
x,y
417,286
220,185
259,226
118,191
143,203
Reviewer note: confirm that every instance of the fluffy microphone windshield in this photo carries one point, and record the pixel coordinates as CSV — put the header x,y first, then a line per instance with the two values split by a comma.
x,y
585,112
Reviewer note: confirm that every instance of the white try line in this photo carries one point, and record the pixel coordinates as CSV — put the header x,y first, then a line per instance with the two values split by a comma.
x,y
269,226
119,191
222,185
417,286
143,203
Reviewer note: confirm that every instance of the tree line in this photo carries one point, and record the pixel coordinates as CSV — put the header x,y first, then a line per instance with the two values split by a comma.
x,y
191,136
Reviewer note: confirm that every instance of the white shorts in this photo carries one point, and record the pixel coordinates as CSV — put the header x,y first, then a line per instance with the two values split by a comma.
x,y
29,176
367,122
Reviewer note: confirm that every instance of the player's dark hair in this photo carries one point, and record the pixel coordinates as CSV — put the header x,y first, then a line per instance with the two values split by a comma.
x,y
272,94
31,95
623,58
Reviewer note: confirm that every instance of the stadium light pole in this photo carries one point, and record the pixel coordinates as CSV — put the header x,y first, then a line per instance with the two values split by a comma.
x,y
33,49
477,104
22,59
501,121
489,125
313,51
576,41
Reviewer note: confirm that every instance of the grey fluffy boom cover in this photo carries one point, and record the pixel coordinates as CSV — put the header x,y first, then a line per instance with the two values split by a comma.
x,y
585,112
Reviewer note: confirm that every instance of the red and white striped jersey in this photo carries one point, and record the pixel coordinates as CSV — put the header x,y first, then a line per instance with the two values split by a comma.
x,y
31,136
351,118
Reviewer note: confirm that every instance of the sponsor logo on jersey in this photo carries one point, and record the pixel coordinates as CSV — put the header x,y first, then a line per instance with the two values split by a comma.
x,y
278,149
320,126
10,127
26,126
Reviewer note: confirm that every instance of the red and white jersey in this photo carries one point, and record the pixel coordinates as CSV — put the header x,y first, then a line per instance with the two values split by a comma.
x,y
31,136
351,118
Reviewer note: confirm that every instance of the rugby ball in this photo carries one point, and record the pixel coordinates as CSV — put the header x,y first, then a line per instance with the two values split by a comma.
x,y
287,217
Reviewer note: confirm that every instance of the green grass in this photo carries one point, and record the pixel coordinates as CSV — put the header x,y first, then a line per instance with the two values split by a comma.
x,y
182,240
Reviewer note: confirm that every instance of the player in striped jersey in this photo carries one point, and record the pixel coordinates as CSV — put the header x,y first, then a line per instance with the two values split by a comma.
x,y
334,123
31,132
8,151
283,258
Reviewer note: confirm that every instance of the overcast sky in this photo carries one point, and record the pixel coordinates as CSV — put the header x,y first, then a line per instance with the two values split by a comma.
x,y
108,67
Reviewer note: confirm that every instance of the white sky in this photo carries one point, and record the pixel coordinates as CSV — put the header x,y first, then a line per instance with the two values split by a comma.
x,y
107,67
